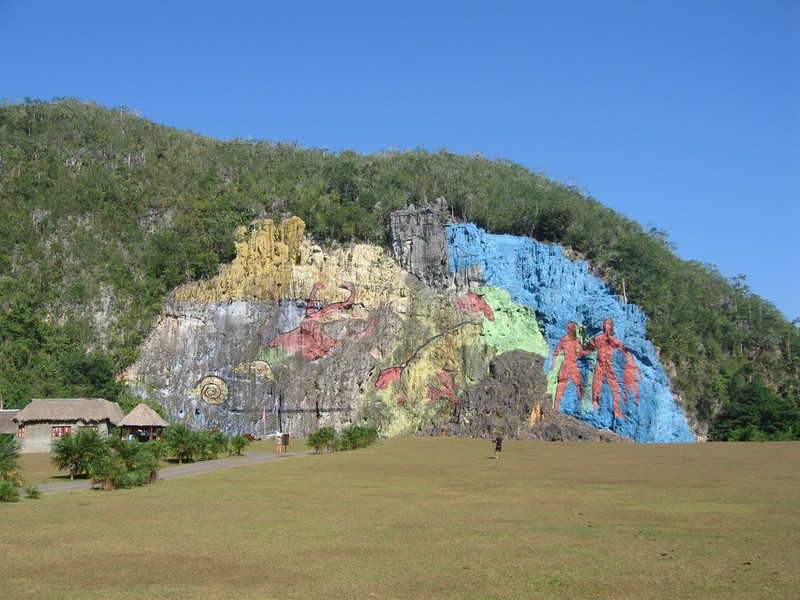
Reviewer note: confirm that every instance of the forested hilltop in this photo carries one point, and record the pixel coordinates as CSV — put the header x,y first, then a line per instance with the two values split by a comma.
x,y
104,213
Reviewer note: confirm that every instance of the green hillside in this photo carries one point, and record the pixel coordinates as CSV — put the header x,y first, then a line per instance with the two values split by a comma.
x,y
103,213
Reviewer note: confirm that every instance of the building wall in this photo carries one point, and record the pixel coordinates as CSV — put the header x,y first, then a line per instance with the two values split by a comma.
x,y
38,436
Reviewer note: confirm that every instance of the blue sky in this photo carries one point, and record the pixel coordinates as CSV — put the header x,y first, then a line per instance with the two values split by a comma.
x,y
682,115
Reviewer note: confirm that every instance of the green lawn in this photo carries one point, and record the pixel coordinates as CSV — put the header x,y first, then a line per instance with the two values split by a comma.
x,y
429,518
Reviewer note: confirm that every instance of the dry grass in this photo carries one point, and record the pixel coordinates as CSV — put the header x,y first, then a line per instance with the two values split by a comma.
x,y
430,518
37,470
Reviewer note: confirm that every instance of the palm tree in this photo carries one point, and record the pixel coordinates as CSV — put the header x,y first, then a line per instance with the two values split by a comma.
x,y
148,460
77,451
238,443
127,464
110,472
9,457
128,451
324,437
181,442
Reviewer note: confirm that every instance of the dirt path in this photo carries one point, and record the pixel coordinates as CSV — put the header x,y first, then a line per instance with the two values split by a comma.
x,y
195,468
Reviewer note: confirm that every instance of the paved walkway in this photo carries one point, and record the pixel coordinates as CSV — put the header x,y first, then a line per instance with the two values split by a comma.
x,y
195,468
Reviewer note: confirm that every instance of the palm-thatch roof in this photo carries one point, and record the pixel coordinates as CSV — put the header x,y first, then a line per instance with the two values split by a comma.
x,y
142,416
88,410
7,424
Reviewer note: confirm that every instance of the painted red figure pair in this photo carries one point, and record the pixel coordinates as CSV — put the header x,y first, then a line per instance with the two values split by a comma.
x,y
604,343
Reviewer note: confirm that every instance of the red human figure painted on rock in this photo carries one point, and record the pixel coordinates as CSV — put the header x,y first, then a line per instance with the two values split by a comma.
x,y
630,375
605,343
572,348
309,339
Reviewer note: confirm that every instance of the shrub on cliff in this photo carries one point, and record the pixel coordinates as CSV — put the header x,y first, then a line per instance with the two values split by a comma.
x,y
753,412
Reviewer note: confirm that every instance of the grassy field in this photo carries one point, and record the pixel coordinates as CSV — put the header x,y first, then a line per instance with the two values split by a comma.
x,y
429,518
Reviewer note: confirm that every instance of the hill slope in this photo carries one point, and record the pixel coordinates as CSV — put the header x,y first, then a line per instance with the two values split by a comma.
x,y
105,213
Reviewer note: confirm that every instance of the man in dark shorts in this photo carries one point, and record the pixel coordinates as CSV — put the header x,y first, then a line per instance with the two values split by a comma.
x,y
498,446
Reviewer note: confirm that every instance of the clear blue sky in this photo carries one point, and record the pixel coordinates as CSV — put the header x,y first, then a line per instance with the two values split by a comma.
x,y
683,115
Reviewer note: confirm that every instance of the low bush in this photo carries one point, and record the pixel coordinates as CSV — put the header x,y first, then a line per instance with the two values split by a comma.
x,y
324,437
210,444
77,451
110,472
350,438
8,492
357,436
182,442
237,444
126,464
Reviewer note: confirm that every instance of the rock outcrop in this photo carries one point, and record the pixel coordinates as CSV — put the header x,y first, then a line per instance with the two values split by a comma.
x,y
624,387
450,332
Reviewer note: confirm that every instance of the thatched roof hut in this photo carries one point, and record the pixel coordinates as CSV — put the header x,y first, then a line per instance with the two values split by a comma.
x,y
142,416
45,420
88,410
143,422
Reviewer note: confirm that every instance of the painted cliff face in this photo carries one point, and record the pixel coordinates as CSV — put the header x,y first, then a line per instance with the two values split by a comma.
x,y
570,350
290,337
309,339
601,368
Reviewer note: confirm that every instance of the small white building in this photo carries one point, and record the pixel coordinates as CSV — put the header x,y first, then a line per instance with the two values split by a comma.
x,y
45,420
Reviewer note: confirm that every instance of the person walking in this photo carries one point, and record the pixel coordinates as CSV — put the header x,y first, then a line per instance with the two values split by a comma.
x,y
498,446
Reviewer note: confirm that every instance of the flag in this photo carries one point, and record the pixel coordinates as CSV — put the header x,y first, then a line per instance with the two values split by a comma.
x,y
275,405
264,415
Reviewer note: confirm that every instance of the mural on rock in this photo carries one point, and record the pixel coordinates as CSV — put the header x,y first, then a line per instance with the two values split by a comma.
x,y
444,388
463,338
309,339
568,350
565,362
566,298
212,390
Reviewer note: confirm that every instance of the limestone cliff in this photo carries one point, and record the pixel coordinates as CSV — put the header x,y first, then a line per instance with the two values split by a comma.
x,y
452,331
602,368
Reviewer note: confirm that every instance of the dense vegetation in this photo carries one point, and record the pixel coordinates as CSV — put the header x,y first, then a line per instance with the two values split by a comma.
x,y
104,213
109,462
189,445
114,463
350,438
